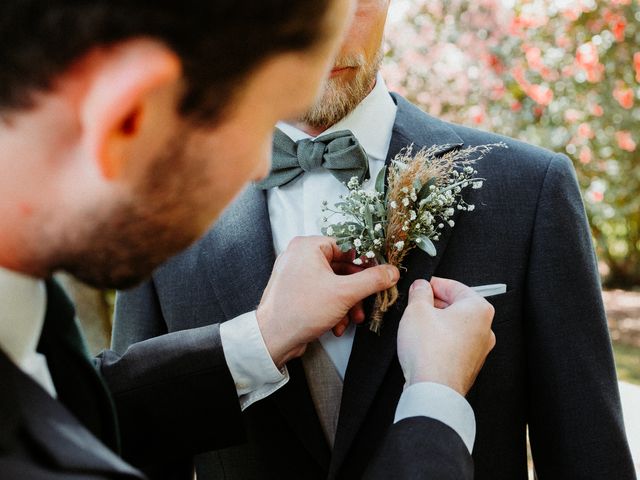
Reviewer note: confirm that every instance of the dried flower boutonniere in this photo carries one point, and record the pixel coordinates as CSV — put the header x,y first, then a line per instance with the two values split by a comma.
x,y
424,191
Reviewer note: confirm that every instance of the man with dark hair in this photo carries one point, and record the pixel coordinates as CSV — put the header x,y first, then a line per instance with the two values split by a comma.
x,y
552,370
126,129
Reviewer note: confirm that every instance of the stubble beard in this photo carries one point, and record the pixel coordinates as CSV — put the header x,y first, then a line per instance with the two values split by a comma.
x,y
340,98
124,245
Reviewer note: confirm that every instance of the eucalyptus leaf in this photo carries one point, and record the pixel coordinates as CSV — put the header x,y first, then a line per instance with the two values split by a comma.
x,y
424,191
380,180
425,244
345,247
368,218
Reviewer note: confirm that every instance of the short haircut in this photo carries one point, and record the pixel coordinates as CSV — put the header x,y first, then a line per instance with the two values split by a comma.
x,y
218,41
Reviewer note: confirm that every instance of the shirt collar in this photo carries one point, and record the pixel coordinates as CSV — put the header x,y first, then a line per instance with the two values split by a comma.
x,y
374,136
23,303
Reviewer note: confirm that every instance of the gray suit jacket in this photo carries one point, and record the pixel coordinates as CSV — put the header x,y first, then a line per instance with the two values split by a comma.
x,y
552,369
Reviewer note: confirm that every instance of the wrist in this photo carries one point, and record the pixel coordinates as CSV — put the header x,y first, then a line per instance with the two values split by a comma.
x,y
432,377
277,341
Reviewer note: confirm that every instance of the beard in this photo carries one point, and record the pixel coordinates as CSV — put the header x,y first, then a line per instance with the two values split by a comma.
x,y
340,97
125,245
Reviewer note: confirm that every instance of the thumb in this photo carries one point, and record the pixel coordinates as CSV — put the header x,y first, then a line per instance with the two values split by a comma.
x,y
360,285
421,291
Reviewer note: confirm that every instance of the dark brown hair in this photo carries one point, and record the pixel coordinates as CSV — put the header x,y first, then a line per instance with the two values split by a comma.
x,y
218,41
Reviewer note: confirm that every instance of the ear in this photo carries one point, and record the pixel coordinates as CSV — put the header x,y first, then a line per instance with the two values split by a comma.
x,y
123,80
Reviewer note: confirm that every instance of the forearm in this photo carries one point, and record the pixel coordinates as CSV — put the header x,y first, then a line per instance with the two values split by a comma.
x,y
174,395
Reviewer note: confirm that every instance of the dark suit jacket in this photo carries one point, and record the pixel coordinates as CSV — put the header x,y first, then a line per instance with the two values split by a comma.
x,y
551,371
175,387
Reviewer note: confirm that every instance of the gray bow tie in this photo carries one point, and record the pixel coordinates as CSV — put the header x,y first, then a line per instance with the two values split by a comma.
x,y
338,152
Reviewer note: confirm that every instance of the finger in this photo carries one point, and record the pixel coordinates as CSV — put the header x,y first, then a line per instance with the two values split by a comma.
x,y
344,268
440,303
421,291
356,314
339,329
359,286
450,291
330,249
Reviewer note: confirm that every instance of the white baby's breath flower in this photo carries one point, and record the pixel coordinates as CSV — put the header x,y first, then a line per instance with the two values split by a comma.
x,y
370,254
378,227
477,185
357,261
412,214
377,242
357,242
330,231
405,201
393,204
441,225
399,245
353,183
452,223
471,208
404,190
449,212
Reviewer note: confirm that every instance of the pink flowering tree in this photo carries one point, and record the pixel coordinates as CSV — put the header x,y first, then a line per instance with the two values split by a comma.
x,y
564,74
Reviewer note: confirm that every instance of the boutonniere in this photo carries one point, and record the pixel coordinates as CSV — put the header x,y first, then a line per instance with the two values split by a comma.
x,y
423,192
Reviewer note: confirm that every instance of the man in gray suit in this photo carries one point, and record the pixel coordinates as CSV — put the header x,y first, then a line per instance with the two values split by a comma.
x,y
552,370
120,144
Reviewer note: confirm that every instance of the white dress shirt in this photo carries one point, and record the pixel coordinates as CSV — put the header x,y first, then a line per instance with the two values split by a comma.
x,y
295,210
23,304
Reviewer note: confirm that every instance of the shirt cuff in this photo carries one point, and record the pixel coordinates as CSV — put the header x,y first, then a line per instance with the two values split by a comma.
x,y
441,403
248,359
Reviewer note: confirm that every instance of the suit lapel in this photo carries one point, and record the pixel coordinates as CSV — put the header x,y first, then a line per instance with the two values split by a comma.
x,y
80,388
371,354
62,441
240,256
238,253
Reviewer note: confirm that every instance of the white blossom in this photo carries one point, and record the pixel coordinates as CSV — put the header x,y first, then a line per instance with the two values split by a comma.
x,y
393,204
357,261
353,183
451,223
477,185
405,201
412,214
378,227
330,231
370,254
399,245
357,242
471,208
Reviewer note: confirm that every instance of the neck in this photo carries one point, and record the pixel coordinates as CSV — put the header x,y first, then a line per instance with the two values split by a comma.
x,y
314,131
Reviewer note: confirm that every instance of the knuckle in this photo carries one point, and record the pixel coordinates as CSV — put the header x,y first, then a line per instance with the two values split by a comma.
x,y
490,311
296,242
492,340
